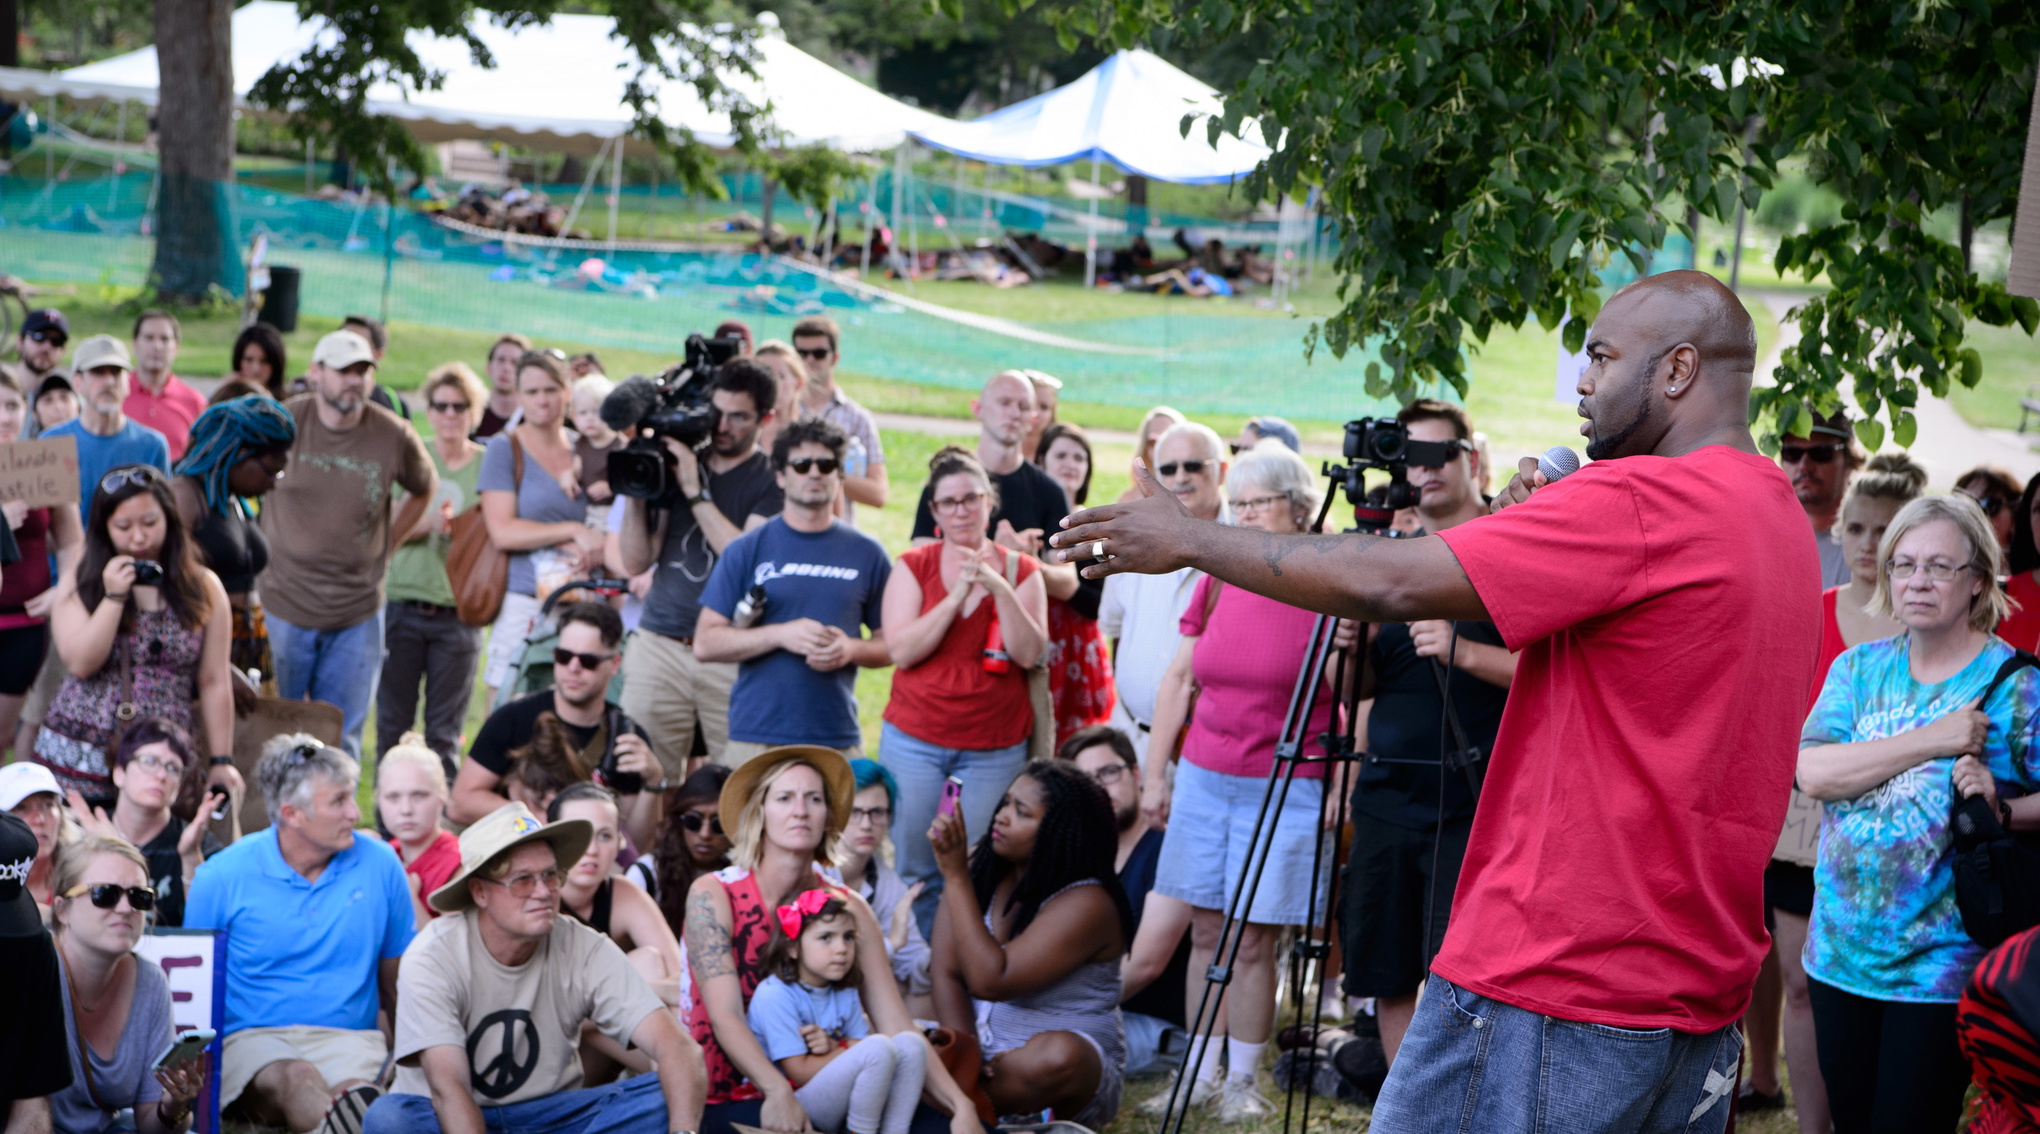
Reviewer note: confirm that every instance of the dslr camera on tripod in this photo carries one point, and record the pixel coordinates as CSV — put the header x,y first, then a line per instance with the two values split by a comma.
x,y
674,404
1384,444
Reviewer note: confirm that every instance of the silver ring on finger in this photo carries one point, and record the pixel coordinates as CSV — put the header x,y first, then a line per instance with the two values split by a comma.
x,y
1097,549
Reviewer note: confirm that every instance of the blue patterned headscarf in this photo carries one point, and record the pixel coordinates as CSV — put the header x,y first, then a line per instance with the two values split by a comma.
x,y
226,433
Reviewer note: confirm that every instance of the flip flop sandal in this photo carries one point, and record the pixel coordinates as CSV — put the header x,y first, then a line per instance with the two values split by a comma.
x,y
348,1109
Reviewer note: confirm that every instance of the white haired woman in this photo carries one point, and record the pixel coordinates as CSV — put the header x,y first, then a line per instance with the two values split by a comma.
x,y
1897,732
1240,654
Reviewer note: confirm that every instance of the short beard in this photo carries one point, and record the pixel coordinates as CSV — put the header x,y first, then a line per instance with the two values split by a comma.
x,y
1127,817
1602,448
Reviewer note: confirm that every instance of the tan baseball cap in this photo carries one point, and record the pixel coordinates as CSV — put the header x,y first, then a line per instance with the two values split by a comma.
x,y
98,351
343,349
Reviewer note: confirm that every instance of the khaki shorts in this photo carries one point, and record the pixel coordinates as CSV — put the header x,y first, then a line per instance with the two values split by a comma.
x,y
339,1054
669,693
738,752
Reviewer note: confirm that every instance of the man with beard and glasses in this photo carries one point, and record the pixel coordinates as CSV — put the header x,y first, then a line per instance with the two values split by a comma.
x,y
1820,465
727,489
1158,959
821,581
1609,919
329,527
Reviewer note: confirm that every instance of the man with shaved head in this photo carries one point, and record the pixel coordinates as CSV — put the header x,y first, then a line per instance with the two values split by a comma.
x,y
1609,919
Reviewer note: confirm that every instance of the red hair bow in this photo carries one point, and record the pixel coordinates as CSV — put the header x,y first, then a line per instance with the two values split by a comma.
x,y
806,906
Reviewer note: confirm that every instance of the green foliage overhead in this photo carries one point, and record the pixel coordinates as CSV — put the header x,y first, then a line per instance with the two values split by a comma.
x,y
1485,160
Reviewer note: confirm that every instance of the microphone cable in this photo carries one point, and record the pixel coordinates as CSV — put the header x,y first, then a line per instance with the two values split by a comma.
x,y
1438,831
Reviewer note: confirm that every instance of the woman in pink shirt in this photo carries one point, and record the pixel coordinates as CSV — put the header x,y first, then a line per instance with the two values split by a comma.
x,y
1237,666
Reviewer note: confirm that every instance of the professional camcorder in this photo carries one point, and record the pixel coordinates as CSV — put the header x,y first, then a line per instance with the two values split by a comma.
x,y
675,404
1385,444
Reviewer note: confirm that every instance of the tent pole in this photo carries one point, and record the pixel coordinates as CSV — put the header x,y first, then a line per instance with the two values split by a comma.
x,y
1091,233
308,167
870,219
119,164
615,191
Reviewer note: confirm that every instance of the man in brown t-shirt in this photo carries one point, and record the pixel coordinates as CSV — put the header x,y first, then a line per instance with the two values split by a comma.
x,y
492,996
329,528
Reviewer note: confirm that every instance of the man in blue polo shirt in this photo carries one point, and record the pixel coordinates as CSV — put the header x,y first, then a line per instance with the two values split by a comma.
x,y
317,915
823,581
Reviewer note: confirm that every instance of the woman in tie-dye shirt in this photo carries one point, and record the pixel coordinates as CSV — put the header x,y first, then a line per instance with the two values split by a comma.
x,y
1886,955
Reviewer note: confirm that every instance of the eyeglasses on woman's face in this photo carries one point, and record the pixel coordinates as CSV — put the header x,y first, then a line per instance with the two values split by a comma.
x,y
1938,570
169,768
877,816
1259,504
957,503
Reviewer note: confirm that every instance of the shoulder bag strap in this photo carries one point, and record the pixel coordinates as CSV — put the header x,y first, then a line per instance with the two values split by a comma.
x,y
84,1045
516,463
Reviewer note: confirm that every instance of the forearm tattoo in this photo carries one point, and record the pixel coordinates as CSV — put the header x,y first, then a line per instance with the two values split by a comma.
x,y
708,940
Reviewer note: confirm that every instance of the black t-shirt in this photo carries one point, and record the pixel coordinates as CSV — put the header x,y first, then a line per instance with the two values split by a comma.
x,y
1406,723
510,727
745,490
1162,999
35,1051
166,869
1028,498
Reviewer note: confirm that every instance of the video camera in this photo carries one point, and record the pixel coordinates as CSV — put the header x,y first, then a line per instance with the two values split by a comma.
x,y
674,404
1384,444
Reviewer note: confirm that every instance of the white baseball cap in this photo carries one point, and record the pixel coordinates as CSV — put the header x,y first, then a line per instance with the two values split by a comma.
x,y
22,779
343,349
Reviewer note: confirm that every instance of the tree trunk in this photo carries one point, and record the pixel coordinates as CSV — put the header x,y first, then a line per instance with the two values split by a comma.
x,y
195,237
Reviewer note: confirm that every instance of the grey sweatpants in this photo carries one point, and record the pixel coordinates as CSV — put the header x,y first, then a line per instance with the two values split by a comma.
x,y
871,1088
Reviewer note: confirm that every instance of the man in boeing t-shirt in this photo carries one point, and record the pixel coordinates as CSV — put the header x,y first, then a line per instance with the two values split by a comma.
x,y
823,582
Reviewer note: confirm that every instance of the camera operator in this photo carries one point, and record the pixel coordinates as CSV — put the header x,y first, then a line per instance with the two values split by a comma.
x,y
1410,816
1610,913
602,739
725,492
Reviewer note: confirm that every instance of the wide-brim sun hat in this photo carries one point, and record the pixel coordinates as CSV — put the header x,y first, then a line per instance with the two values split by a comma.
x,y
837,779
504,829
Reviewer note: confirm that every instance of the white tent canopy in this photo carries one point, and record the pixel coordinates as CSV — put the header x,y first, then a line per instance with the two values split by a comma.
x,y
1127,111
557,86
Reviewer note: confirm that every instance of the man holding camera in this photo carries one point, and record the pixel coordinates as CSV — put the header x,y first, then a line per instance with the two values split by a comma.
x,y
605,741
788,603
1412,817
726,491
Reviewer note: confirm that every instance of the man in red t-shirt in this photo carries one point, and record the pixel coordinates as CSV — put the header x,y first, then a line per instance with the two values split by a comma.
x,y
1609,919
161,400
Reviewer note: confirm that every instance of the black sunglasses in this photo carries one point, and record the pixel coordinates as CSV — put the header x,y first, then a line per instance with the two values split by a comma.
x,y
106,895
814,354
54,338
1991,505
1818,454
562,656
693,821
449,407
1191,467
826,464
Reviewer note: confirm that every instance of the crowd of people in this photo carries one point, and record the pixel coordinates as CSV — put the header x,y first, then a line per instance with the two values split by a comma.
x,y
665,885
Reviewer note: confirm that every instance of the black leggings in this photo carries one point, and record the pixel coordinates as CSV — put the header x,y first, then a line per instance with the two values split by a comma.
x,y
1891,1067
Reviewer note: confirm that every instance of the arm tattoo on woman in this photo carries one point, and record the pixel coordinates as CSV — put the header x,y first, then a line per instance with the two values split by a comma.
x,y
708,942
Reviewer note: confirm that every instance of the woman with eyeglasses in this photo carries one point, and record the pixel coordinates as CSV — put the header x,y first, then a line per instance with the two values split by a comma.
x,y
1239,657
1997,493
866,871
116,1004
964,618
27,591
423,636
1888,749
154,765
692,843
239,450
144,630
1079,661
523,482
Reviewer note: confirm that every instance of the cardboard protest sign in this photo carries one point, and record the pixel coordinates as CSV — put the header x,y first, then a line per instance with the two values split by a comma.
x,y
40,472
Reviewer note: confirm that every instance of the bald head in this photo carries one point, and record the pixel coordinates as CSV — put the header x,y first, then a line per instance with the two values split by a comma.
x,y
1670,361
1006,408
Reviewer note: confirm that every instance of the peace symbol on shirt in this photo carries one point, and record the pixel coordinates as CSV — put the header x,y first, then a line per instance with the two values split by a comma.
x,y
494,1068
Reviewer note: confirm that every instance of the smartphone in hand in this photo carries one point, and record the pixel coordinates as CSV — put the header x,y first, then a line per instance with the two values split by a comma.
x,y
952,792
187,1048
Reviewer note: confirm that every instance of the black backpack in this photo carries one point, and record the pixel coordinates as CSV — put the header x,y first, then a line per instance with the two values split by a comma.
x,y
1997,873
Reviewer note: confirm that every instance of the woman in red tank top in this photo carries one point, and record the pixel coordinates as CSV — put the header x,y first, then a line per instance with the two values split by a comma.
x,y
2022,629
785,811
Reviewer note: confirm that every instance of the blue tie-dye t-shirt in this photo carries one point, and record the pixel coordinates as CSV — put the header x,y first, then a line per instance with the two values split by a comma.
x,y
1885,923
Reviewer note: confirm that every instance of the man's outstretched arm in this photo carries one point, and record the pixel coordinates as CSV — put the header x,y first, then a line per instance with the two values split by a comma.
x,y
1361,577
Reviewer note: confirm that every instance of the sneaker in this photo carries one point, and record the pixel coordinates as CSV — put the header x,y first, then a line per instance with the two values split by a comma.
x,y
1201,1093
1753,1101
348,1109
1238,1101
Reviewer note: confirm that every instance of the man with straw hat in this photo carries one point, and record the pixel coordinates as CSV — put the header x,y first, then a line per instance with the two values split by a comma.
x,y
491,1000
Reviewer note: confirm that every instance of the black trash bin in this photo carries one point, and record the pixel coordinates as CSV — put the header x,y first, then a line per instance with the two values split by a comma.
x,y
280,301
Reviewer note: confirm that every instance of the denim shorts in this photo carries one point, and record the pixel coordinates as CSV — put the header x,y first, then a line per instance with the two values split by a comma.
x,y
1211,823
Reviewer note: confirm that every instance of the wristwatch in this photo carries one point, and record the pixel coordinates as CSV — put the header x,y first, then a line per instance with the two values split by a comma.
x,y
222,761
701,497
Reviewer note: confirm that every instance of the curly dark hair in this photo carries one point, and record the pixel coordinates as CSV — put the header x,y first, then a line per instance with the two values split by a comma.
x,y
1078,839
676,869
781,959
808,430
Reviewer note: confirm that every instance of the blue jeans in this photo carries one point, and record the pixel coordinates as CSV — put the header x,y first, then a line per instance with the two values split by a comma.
x,y
1474,1064
920,769
339,667
634,1106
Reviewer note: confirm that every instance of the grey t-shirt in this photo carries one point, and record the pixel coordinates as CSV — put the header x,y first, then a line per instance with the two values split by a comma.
x,y
1834,567
539,499
745,490
126,1080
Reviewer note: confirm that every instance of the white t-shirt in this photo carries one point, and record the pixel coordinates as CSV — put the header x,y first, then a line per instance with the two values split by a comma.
x,y
521,1027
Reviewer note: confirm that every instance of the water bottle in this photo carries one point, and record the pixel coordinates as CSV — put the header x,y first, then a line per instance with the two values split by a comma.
x,y
749,608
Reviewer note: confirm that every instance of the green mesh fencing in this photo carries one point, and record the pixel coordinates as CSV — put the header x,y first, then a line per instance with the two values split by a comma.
x,y
1210,358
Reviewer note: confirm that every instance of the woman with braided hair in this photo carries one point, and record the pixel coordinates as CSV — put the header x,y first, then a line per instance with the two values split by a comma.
x,y
1028,941
238,452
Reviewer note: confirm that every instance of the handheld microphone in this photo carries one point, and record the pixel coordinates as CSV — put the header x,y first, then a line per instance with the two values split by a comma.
x,y
1556,463
627,405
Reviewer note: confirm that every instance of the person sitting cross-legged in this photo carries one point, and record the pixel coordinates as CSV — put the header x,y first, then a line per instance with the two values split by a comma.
x,y
494,993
